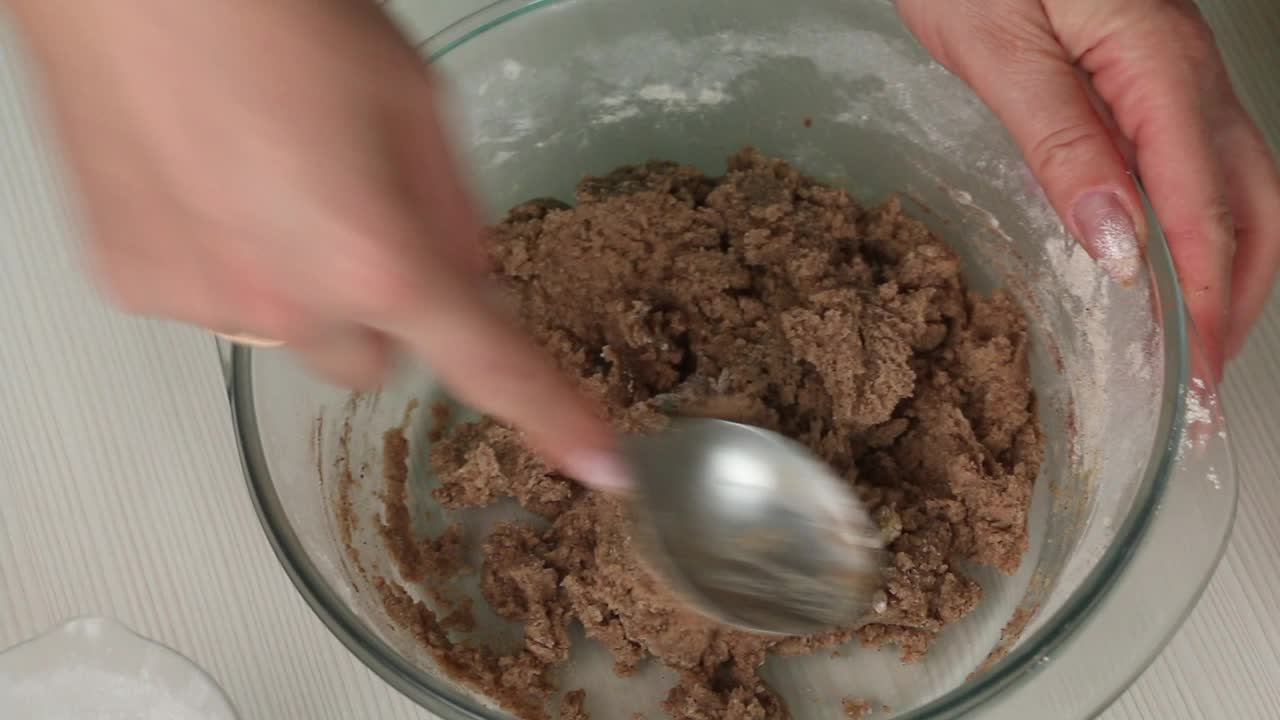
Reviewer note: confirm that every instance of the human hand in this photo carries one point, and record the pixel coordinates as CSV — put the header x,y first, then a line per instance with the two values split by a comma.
x,y
278,169
1092,89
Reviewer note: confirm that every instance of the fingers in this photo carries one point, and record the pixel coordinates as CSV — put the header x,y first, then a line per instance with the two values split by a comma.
x,y
429,299
444,315
445,321
1160,79
1253,191
1157,69
1188,191
229,299
352,356
434,180
1011,57
303,184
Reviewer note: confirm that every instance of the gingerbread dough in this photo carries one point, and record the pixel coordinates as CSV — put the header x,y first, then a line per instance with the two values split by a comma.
x,y
760,296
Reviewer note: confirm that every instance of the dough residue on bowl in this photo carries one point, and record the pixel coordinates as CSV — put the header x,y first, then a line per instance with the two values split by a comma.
x,y
760,296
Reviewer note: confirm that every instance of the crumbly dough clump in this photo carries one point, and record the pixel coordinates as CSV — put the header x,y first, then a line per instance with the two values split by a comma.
x,y
856,708
765,297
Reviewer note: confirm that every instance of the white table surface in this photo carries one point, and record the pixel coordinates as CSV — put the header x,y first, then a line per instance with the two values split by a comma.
x,y
121,491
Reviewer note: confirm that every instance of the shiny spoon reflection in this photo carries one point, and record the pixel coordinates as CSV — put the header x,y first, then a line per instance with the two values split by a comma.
x,y
753,529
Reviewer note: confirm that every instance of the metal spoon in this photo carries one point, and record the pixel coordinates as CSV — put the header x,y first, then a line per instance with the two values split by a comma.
x,y
752,529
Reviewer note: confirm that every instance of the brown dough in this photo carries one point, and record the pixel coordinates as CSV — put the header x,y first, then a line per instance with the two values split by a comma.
x,y
765,297
573,706
856,708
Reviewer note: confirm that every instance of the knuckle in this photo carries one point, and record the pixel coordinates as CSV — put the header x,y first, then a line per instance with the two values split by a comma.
x,y
273,317
1193,42
1063,149
1219,221
359,360
381,269
1184,18
383,288
1213,228
1220,225
1013,36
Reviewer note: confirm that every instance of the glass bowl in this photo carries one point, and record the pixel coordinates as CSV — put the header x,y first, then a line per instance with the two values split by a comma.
x,y
1136,494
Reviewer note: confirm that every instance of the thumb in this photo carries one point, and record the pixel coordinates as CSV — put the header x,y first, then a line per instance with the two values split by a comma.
x,y
1020,70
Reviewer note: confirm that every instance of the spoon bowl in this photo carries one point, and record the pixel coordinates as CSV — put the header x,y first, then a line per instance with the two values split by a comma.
x,y
752,529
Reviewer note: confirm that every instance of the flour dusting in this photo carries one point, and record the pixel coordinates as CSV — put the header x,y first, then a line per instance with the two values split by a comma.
x,y
90,693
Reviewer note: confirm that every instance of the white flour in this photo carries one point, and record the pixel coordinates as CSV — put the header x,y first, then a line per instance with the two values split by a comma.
x,y
90,693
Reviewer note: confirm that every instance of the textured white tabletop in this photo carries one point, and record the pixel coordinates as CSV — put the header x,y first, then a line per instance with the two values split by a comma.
x,y
121,491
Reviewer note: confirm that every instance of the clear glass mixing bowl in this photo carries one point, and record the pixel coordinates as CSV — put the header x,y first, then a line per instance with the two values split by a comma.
x,y
1136,496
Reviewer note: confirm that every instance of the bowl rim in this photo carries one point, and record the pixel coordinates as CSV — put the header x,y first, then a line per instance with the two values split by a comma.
x,y
1016,666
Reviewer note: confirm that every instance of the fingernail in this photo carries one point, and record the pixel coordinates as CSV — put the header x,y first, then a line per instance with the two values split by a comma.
x,y
1109,232
599,471
249,340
